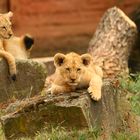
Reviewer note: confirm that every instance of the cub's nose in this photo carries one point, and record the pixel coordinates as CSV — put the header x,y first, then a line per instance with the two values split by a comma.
x,y
10,34
73,79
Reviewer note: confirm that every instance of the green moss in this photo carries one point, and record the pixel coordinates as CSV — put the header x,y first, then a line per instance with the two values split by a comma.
x,y
22,124
1,133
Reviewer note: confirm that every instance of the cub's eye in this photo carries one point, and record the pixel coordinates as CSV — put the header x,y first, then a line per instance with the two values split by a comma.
x,y
68,69
78,69
3,27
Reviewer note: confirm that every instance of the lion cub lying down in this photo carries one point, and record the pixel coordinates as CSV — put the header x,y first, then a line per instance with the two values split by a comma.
x,y
76,72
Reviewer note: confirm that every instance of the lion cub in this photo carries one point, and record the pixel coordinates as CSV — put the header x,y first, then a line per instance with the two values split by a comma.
x,y
12,47
15,47
76,72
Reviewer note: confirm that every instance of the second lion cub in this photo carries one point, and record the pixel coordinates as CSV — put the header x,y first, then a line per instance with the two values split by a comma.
x,y
75,71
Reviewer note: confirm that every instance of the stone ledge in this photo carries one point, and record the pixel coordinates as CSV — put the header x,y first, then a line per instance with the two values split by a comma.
x,y
30,80
69,110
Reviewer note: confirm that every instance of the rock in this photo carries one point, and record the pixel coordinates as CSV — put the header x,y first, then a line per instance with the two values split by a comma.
x,y
49,63
69,110
30,80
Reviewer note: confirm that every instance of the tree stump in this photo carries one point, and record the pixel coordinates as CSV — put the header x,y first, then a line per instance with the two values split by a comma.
x,y
112,42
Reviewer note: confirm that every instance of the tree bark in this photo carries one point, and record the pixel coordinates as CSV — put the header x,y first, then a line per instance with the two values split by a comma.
x,y
112,42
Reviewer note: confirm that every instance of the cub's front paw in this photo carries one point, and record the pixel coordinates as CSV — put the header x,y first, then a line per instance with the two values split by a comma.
x,y
54,90
95,95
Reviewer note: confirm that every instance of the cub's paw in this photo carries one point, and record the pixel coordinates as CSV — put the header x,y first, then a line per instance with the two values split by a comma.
x,y
53,90
14,77
95,95
48,91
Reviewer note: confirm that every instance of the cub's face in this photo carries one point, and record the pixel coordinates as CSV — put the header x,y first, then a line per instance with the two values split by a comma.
x,y
5,26
19,47
71,66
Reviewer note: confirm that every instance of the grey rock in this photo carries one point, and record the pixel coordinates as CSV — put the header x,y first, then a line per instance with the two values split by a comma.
x,y
69,110
49,63
30,80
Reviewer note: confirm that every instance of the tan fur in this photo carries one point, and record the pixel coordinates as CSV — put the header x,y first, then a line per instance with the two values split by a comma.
x,y
6,33
76,72
14,48
5,26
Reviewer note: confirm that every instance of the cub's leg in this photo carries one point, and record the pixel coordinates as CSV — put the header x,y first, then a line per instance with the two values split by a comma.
x,y
11,62
95,86
56,89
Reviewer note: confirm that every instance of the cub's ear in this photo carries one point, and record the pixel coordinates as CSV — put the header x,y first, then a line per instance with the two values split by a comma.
x,y
59,59
9,14
86,59
28,41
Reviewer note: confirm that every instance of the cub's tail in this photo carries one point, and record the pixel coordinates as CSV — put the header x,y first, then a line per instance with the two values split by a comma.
x,y
11,62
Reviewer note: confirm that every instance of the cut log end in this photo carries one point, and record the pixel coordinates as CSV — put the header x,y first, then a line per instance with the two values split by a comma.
x,y
125,17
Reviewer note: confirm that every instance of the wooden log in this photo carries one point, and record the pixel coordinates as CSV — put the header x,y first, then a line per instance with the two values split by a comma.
x,y
112,42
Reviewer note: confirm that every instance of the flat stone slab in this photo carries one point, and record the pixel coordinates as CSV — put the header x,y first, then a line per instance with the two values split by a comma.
x,y
69,110
30,80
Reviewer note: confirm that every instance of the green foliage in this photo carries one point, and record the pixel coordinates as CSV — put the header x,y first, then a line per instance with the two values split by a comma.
x,y
1,133
124,136
59,133
135,102
131,84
